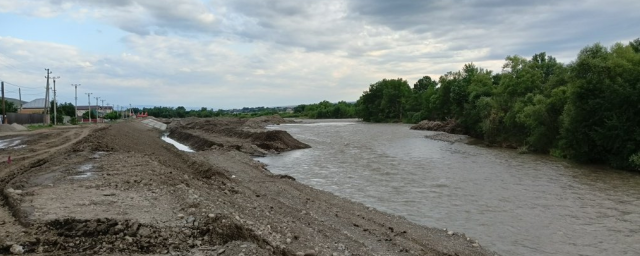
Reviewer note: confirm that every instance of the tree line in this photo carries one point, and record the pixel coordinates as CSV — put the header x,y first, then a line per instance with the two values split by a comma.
x,y
587,110
319,110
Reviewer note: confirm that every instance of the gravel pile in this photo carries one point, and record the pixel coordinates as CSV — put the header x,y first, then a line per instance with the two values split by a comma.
x,y
12,128
19,128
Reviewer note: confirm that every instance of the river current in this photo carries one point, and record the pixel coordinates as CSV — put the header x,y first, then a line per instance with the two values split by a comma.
x,y
514,204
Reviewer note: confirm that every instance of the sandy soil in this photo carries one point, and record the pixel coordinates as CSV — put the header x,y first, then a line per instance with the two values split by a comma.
x,y
119,189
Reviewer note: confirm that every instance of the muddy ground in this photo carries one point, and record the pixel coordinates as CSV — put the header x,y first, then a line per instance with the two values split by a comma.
x,y
119,189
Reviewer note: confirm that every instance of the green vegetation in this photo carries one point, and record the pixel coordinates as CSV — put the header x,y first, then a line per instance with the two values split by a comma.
x,y
9,107
325,110
93,114
113,115
587,111
64,109
320,110
38,127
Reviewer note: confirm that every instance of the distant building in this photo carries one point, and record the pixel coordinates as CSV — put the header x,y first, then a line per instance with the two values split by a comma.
x,y
33,107
101,110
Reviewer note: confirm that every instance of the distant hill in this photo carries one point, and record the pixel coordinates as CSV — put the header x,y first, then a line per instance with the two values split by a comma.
x,y
16,102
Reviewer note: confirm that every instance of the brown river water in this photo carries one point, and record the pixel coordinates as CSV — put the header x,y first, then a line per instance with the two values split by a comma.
x,y
514,204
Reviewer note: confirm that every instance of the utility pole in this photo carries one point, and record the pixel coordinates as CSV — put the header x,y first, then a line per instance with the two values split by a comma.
x,y
4,111
97,110
46,99
20,98
89,97
76,86
55,103
103,110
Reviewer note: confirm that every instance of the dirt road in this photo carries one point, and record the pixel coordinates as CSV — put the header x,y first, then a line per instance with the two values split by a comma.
x,y
119,189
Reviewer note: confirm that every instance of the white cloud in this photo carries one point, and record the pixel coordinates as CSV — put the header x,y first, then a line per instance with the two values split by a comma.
x,y
238,53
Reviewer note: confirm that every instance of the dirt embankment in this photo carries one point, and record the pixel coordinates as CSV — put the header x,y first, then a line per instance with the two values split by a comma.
x,y
120,190
245,135
450,129
449,126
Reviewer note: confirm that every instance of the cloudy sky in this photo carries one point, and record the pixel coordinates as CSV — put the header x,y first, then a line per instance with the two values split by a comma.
x,y
236,53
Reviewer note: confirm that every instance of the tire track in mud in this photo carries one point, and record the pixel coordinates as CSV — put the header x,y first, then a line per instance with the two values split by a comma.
x,y
25,161
109,235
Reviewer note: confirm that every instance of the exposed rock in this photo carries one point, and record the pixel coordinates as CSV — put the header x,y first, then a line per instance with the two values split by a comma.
x,y
16,249
144,232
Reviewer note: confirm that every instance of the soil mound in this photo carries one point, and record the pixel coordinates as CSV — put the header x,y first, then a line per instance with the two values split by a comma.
x,y
7,128
263,121
276,140
449,126
248,136
19,128
12,128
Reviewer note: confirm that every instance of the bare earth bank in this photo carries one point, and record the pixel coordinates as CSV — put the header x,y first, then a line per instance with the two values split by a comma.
x,y
118,189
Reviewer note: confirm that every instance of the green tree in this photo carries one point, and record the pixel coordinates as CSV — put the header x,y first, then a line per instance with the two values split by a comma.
x,y
602,116
181,112
113,115
386,100
9,107
85,115
635,45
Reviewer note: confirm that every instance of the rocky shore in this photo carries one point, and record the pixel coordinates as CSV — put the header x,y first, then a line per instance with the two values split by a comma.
x,y
120,190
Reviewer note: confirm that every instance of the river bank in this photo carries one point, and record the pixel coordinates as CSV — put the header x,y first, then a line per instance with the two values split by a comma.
x,y
516,204
122,190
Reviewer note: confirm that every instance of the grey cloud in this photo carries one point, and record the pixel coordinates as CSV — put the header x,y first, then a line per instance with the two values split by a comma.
x,y
508,27
141,17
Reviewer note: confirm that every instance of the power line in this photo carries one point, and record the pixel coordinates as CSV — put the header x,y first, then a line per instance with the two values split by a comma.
x,y
20,86
29,94
6,64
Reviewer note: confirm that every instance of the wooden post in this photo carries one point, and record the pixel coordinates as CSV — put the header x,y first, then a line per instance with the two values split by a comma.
x,y
4,109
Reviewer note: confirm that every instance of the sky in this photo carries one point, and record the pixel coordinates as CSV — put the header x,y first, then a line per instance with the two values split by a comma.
x,y
248,53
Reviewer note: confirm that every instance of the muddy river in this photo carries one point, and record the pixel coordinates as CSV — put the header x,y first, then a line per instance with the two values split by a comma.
x,y
512,203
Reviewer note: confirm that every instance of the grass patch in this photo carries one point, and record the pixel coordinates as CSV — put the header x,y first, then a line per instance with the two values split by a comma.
x,y
38,127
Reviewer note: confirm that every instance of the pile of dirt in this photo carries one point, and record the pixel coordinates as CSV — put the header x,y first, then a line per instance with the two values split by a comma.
x,y
245,135
449,126
105,235
263,121
276,140
12,128
7,128
19,128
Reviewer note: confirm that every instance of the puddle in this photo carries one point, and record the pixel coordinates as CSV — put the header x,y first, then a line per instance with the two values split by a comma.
x,y
82,176
9,143
85,170
178,145
98,155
